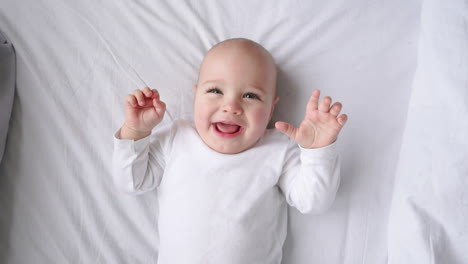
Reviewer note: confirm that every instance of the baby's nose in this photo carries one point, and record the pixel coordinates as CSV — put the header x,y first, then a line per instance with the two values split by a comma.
x,y
232,107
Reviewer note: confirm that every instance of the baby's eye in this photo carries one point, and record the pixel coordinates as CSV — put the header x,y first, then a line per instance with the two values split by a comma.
x,y
214,90
251,96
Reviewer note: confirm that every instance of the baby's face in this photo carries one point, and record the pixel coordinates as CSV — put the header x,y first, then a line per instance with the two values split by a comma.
x,y
234,97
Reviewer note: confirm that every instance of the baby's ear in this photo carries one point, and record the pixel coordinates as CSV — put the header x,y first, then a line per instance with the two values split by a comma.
x,y
275,101
194,87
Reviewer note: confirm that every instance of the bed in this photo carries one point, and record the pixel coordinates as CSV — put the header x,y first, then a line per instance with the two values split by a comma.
x,y
399,67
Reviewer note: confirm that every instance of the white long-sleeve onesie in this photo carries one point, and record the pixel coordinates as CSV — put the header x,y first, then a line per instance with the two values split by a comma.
x,y
225,208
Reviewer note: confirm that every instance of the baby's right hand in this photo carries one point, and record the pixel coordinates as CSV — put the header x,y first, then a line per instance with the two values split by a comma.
x,y
143,111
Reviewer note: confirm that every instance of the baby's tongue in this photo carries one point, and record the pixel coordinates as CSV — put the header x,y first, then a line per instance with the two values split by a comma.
x,y
226,128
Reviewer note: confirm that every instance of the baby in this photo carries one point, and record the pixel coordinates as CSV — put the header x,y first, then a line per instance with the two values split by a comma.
x,y
223,182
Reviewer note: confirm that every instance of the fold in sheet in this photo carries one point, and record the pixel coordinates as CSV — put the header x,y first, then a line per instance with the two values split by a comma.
x,y
428,220
7,87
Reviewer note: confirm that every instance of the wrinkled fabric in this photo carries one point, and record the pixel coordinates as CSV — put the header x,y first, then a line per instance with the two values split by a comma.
x,y
428,220
7,88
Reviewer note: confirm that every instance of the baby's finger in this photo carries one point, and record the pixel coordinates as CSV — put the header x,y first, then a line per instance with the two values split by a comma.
x,y
287,129
147,92
312,105
155,94
131,100
160,106
324,106
342,119
140,97
335,109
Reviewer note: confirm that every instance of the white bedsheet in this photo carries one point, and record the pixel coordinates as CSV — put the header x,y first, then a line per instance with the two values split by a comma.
x,y
429,215
76,61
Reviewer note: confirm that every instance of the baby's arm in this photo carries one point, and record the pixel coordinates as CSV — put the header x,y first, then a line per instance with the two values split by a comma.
x,y
310,178
143,111
311,182
138,165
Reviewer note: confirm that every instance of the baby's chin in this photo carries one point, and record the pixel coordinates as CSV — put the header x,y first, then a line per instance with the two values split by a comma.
x,y
227,148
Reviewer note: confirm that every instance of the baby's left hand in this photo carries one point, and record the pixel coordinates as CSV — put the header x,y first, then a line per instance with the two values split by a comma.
x,y
320,126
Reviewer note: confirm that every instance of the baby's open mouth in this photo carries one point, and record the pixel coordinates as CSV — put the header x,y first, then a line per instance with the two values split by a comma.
x,y
227,129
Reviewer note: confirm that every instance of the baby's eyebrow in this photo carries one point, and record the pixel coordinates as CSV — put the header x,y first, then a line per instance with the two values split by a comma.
x,y
216,81
257,87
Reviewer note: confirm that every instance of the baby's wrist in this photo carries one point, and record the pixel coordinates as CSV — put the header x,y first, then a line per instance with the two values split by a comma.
x,y
317,145
128,132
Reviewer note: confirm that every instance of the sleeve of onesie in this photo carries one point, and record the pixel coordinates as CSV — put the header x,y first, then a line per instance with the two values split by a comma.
x,y
310,178
138,166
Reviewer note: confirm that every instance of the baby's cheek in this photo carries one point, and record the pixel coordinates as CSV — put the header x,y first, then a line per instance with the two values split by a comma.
x,y
262,117
201,111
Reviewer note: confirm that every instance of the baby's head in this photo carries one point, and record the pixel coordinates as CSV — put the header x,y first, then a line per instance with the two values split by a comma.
x,y
235,95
